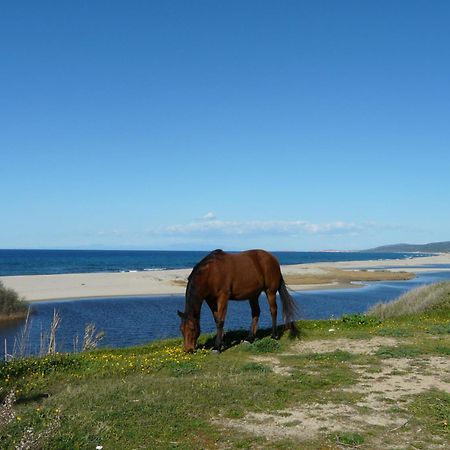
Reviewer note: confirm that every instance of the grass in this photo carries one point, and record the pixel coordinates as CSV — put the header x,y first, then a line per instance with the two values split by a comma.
x,y
433,410
431,299
264,345
348,439
158,397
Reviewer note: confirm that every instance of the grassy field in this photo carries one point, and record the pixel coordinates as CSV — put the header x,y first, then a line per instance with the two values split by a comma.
x,y
357,382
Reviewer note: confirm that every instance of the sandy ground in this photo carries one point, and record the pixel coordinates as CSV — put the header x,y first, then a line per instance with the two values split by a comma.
x,y
167,282
383,393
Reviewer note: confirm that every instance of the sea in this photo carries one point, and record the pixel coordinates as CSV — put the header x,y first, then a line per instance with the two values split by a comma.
x,y
131,321
49,262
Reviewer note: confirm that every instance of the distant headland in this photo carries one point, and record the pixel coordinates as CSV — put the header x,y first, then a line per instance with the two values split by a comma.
x,y
432,247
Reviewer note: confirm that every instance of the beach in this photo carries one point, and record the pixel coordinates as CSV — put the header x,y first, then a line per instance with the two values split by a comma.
x,y
173,282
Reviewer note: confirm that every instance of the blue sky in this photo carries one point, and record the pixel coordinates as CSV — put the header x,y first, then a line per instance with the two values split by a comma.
x,y
286,125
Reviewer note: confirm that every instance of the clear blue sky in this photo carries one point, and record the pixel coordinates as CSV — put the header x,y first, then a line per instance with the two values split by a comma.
x,y
287,125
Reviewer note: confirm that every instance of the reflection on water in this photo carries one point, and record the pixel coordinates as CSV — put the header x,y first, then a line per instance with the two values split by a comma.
x,y
131,321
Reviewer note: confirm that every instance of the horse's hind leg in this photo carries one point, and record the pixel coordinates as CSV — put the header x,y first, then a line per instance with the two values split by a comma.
x,y
272,299
256,311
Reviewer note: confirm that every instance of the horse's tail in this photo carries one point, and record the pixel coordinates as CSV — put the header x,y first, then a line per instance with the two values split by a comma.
x,y
289,308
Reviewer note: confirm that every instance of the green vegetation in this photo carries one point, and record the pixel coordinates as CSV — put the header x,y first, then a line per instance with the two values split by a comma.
x,y
348,439
359,319
12,306
264,345
336,386
431,299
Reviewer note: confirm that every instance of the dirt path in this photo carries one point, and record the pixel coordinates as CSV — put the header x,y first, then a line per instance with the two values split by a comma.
x,y
385,394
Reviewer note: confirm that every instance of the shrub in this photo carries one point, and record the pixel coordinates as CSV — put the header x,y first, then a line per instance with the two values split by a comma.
x,y
11,304
356,320
431,299
264,345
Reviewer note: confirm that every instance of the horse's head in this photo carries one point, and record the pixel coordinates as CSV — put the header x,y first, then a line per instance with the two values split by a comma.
x,y
190,329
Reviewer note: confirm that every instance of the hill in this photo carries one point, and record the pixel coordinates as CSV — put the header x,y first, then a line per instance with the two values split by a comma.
x,y
432,247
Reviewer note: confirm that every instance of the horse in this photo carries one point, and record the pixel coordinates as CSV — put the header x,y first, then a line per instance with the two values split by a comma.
x,y
222,276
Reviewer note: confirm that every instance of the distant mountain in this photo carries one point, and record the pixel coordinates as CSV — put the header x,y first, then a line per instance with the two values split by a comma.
x,y
433,247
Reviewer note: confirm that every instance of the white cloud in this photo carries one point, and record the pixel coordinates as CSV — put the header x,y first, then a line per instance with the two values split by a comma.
x,y
213,225
209,216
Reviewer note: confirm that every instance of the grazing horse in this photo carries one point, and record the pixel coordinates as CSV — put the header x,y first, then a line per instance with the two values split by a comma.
x,y
220,277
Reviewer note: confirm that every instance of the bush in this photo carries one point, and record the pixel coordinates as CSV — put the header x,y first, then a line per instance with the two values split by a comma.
x,y
431,299
11,304
356,320
264,345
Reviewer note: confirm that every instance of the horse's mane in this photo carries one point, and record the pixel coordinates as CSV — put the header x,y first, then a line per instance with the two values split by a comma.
x,y
208,258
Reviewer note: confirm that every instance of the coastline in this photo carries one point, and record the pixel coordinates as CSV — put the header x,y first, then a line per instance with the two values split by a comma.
x,y
299,277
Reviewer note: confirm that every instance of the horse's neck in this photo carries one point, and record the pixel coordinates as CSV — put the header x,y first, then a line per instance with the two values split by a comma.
x,y
192,308
196,292
193,302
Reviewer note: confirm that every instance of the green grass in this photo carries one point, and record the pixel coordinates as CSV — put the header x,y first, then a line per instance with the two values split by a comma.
x,y
432,409
347,439
158,397
264,345
256,367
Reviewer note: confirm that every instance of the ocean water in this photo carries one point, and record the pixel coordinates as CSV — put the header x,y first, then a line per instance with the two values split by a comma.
x,y
46,262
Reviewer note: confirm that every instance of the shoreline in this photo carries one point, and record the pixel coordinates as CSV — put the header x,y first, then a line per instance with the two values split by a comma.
x,y
173,281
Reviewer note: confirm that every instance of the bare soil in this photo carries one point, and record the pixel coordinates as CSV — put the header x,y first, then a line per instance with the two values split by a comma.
x,y
385,393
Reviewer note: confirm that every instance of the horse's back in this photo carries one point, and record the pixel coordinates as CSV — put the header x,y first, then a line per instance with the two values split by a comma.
x,y
270,267
251,270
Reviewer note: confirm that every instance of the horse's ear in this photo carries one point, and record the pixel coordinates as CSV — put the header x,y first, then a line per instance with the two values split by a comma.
x,y
182,314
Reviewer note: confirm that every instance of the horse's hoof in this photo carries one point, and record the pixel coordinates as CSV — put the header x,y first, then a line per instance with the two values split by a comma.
x,y
245,341
215,351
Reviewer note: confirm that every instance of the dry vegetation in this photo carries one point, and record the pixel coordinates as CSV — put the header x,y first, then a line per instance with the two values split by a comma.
x,y
328,276
424,299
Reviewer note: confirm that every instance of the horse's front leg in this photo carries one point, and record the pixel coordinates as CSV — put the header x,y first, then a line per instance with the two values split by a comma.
x,y
222,304
272,299
212,303
256,311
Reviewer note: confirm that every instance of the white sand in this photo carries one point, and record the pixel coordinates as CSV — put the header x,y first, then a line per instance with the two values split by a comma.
x,y
164,282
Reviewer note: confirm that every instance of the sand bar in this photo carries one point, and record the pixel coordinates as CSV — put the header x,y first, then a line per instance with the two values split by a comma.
x,y
166,282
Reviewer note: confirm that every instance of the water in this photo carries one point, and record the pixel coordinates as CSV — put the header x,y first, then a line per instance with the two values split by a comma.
x,y
138,320
47,262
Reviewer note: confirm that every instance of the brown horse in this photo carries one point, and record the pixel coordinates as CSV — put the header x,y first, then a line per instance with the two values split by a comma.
x,y
220,277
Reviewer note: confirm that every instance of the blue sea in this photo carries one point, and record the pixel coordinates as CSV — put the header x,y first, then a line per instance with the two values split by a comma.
x,y
48,262
129,321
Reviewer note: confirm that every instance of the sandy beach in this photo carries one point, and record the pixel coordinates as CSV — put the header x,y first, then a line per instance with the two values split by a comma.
x,y
166,282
